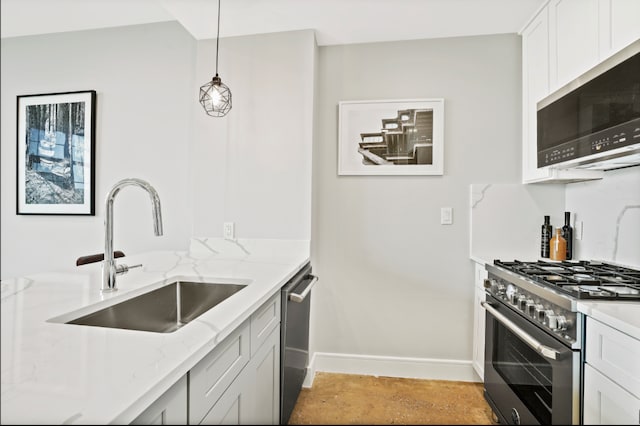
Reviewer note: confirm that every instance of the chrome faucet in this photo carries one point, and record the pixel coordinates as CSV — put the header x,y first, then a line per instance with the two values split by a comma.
x,y
109,268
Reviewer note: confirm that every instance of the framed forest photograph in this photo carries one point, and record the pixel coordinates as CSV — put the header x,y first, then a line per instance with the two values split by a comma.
x,y
56,153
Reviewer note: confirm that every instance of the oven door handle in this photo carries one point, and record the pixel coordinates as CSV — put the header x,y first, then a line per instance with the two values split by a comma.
x,y
543,350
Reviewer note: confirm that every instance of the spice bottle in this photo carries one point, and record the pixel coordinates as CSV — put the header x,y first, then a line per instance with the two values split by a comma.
x,y
558,246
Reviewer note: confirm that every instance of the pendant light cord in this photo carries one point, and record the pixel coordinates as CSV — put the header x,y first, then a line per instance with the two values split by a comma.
x,y
218,37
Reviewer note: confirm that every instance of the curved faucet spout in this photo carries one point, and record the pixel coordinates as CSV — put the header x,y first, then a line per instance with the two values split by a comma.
x,y
109,270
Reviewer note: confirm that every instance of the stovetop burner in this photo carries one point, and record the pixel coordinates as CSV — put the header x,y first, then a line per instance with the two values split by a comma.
x,y
581,279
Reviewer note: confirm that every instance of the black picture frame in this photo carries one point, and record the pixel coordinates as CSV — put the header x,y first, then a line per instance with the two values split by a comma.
x,y
55,170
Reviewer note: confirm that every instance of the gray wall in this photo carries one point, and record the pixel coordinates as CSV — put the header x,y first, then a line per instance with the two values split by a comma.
x,y
393,281
253,167
143,78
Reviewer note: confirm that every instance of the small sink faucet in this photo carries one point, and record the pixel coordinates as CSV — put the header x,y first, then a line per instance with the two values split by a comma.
x,y
109,268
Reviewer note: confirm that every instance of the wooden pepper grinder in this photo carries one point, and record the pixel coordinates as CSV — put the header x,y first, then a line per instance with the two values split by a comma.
x,y
558,246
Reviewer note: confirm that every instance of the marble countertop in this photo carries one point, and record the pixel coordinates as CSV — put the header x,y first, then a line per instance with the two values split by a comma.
x,y
623,316
56,373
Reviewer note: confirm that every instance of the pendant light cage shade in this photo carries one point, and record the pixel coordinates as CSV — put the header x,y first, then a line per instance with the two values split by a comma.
x,y
215,97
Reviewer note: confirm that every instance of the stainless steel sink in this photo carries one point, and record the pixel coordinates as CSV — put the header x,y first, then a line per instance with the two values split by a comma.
x,y
163,310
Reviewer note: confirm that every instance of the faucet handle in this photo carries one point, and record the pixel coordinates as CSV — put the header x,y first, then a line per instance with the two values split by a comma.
x,y
83,260
123,269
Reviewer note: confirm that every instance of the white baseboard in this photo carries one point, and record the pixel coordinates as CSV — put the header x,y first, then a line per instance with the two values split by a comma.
x,y
371,365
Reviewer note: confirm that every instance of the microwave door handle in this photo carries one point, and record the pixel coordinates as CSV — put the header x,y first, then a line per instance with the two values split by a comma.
x,y
543,350
299,298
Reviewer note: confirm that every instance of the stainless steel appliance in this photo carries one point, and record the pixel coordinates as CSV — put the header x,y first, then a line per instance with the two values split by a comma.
x,y
594,121
534,334
294,338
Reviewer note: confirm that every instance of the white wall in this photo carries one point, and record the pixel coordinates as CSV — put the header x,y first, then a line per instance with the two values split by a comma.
x,y
609,210
394,283
254,166
143,78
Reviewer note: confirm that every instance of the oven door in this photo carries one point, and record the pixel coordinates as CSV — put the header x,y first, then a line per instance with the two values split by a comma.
x,y
529,376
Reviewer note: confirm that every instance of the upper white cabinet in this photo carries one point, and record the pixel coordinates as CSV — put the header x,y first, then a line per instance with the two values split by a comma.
x,y
619,25
573,35
562,41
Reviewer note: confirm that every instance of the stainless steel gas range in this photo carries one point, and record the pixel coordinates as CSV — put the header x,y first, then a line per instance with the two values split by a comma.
x,y
535,335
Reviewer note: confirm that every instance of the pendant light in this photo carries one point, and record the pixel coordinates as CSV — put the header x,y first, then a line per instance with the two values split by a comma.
x,y
215,97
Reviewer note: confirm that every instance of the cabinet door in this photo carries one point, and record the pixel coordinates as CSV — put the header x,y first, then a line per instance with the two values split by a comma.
x,y
479,321
535,86
210,378
233,406
619,25
613,353
264,372
169,409
606,403
573,30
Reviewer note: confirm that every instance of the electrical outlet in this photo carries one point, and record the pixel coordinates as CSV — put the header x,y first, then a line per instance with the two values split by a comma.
x,y
228,231
579,229
446,215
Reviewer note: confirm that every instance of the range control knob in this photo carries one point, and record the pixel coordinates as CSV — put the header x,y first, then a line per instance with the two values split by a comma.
x,y
562,323
529,307
550,319
522,302
488,283
513,298
539,312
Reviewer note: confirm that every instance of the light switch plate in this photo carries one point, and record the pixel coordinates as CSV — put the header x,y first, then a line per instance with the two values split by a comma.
x,y
446,215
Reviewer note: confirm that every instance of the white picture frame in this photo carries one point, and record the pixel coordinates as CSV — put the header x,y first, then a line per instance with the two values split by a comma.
x,y
391,137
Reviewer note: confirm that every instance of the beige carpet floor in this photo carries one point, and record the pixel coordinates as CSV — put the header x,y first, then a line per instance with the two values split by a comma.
x,y
357,399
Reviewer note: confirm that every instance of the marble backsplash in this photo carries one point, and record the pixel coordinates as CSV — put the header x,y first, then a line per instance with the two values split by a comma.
x,y
609,212
506,219
605,214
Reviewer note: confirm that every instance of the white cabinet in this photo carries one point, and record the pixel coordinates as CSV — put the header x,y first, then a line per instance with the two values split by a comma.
x,y
536,72
562,41
263,372
210,378
238,382
479,320
611,376
618,26
169,409
535,86
573,35
253,397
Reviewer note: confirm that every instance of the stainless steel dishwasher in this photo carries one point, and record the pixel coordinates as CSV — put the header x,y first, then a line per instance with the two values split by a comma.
x,y
294,338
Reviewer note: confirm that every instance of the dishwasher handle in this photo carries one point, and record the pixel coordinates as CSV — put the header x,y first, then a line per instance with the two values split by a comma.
x,y
299,298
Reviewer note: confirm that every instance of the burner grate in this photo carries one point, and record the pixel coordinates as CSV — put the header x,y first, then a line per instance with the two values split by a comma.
x,y
581,279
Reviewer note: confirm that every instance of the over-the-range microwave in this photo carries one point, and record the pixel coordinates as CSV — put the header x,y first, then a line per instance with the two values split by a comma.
x,y
594,121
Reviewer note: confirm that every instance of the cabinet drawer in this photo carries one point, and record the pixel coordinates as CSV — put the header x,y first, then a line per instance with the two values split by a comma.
x,y
263,321
210,377
614,354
